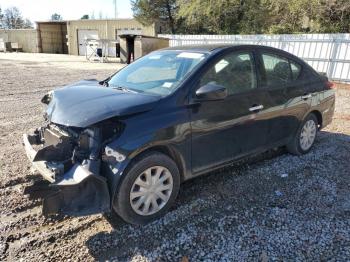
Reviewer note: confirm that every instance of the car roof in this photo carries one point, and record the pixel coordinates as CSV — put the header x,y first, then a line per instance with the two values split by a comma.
x,y
219,47
203,48
211,47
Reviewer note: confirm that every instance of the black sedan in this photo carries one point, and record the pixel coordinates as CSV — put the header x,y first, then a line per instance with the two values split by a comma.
x,y
126,143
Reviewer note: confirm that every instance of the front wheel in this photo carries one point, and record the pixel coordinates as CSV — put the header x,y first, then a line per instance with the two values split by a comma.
x,y
305,136
149,188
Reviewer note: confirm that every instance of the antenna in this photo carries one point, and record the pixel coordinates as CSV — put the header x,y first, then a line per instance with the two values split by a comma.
x,y
115,9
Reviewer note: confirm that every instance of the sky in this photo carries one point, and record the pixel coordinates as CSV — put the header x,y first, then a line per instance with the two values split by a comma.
x,y
41,10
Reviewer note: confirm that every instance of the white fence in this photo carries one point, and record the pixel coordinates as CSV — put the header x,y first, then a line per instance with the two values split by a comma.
x,y
327,53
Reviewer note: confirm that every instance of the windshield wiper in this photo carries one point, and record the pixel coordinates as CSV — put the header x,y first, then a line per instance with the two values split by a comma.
x,y
124,89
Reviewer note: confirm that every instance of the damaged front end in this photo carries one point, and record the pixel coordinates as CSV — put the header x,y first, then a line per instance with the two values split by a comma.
x,y
70,159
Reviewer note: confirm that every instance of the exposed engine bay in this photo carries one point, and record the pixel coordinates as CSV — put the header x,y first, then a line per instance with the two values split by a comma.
x,y
70,158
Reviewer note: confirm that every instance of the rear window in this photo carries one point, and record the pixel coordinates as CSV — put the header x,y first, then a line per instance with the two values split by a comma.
x,y
296,69
277,70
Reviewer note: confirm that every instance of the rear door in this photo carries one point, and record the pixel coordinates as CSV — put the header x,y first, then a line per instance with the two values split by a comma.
x,y
289,100
226,129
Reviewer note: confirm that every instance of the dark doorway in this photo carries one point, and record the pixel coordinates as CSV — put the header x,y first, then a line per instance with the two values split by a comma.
x,y
130,48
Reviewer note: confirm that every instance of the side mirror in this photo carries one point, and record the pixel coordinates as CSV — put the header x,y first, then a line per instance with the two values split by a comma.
x,y
211,92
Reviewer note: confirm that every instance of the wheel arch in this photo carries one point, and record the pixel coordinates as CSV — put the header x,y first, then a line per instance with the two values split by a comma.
x,y
167,150
318,116
292,145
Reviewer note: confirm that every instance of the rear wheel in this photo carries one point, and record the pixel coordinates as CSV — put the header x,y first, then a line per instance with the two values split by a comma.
x,y
305,136
149,188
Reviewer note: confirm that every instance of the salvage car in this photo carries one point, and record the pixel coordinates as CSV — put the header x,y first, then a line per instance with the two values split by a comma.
x,y
125,144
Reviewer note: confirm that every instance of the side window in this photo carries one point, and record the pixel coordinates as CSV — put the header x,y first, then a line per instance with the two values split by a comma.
x,y
277,70
235,72
296,69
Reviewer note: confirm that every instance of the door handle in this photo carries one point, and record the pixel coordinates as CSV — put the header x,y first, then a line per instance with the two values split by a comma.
x,y
256,108
306,96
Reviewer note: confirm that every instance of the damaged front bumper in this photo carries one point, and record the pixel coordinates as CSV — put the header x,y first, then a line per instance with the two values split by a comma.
x,y
75,188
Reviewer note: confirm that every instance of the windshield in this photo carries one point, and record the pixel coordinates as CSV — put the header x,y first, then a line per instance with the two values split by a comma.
x,y
158,73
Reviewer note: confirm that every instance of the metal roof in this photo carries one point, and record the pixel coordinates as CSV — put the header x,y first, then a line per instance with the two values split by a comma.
x,y
87,20
52,22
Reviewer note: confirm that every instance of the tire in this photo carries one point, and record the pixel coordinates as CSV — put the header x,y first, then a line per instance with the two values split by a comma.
x,y
295,146
152,167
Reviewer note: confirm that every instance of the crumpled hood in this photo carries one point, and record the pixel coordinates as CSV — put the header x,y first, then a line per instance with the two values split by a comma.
x,y
86,103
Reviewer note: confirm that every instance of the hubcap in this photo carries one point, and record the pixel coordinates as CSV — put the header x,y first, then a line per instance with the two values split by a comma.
x,y
308,134
151,190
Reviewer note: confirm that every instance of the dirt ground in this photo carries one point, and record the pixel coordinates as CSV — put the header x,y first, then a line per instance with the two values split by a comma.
x,y
274,206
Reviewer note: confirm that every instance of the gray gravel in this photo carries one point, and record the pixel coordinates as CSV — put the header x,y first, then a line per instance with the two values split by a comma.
x,y
273,206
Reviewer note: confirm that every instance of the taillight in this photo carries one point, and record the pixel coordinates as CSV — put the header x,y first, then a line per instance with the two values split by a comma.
x,y
330,84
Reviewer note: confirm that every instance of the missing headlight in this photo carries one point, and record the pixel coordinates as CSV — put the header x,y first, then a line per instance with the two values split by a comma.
x,y
47,98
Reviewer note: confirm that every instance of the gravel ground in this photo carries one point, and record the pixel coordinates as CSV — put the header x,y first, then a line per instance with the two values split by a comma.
x,y
273,206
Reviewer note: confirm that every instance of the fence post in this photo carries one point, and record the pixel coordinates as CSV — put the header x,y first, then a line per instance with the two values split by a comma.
x,y
333,56
282,42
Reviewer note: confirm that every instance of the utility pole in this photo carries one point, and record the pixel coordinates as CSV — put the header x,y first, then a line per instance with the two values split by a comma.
x,y
115,9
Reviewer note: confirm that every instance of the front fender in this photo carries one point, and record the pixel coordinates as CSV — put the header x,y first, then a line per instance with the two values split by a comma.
x,y
115,170
168,128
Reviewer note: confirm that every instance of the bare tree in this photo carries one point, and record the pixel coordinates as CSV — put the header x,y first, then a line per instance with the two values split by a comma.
x,y
12,19
27,24
1,18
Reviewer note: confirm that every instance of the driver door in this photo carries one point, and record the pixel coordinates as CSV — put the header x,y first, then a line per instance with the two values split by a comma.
x,y
227,129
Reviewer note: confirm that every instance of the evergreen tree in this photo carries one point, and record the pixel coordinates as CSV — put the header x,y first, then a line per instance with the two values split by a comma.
x,y
156,11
